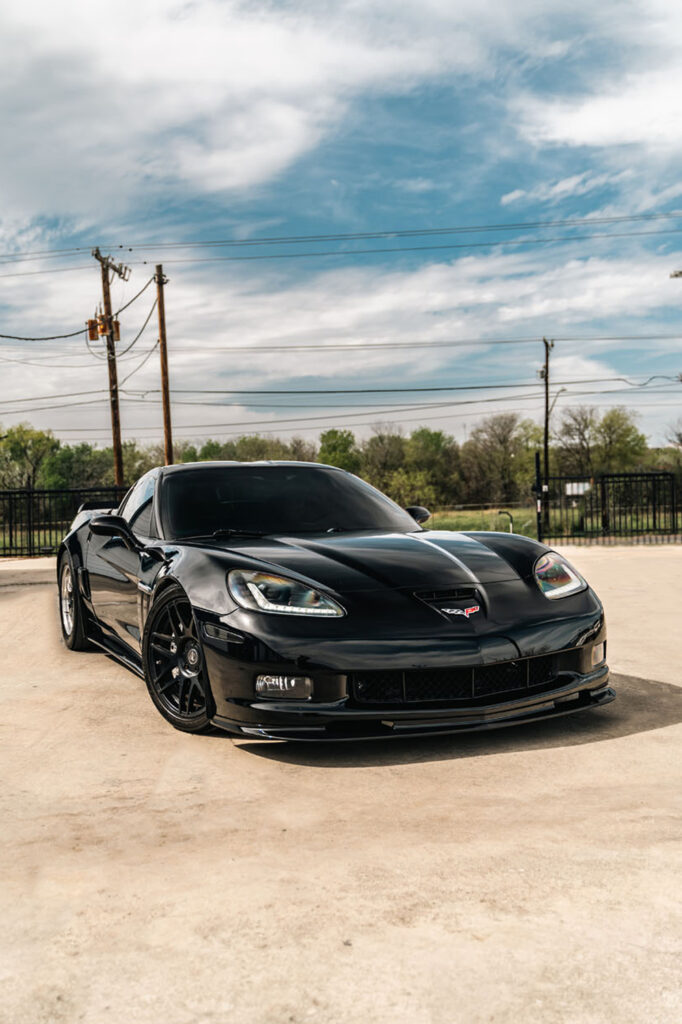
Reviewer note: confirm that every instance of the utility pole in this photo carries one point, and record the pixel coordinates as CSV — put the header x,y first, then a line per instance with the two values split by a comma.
x,y
107,264
163,352
544,375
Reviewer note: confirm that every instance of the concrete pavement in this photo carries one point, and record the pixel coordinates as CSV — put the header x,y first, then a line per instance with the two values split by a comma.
x,y
529,874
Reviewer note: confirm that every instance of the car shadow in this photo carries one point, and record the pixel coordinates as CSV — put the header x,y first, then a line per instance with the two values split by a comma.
x,y
641,705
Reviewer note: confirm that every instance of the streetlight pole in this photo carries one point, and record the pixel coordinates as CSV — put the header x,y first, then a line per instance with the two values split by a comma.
x,y
543,373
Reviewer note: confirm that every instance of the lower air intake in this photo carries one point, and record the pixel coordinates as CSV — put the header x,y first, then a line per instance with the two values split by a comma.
x,y
448,685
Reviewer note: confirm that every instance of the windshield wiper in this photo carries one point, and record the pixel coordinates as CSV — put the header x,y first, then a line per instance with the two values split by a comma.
x,y
226,532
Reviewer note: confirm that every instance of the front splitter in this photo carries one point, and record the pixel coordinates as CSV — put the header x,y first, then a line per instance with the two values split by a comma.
x,y
388,728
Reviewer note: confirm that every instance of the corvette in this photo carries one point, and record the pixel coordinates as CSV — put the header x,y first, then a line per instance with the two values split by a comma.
x,y
285,600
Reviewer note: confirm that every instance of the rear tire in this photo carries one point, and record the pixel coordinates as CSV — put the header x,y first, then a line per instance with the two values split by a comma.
x,y
71,615
173,662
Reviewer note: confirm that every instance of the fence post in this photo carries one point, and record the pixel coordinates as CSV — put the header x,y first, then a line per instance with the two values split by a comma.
x,y
538,495
673,504
11,519
29,521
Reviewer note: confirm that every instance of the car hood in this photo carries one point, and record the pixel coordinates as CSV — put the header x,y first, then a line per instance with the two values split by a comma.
x,y
347,562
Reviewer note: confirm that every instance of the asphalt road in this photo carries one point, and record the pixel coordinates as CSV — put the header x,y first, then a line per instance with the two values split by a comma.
x,y
529,874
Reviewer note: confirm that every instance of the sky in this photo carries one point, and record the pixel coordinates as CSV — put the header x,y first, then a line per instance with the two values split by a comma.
x,y
461,135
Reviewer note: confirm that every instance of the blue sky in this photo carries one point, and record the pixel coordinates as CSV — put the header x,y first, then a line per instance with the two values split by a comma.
x,y
148,123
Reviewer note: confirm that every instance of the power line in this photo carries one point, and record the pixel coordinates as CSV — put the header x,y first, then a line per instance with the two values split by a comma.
x,y
377,391
144,360
353,236
373,413
135,297
369,252
374,416
49,337
82,330
409,248
345,391
460,343
139,334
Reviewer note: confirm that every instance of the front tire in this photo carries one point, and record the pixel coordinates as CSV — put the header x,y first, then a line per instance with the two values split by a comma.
x,y
173,662
71,616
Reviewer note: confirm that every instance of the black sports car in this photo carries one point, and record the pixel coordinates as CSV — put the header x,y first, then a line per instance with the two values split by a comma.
x,y
293,601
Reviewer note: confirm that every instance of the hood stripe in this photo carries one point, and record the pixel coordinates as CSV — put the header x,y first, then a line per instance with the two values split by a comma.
x,y
448,554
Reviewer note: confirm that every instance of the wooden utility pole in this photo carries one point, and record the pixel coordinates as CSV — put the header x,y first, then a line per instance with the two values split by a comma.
x,y
163,352
107,264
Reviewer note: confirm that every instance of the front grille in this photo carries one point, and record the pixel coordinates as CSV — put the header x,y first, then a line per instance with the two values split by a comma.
x,y
450,685
510,675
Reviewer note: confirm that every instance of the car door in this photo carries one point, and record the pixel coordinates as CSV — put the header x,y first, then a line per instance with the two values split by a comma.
x,y
115,572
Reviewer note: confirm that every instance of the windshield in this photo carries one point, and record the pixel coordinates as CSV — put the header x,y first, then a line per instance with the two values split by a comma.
x,y
275,499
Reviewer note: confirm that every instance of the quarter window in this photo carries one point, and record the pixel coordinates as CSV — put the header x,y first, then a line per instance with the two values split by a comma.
x,y
137,507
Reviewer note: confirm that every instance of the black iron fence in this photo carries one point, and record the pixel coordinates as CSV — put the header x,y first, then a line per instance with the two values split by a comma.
x,y
610,507
34,522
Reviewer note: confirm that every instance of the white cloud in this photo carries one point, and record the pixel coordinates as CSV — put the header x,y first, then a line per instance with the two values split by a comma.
x,y
497,295
565,188
637,109
108,108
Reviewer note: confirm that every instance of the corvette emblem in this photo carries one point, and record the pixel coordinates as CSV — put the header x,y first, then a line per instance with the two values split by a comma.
x,y
471,610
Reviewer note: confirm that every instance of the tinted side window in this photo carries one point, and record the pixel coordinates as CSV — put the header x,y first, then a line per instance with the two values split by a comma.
x,y
142,492
141,523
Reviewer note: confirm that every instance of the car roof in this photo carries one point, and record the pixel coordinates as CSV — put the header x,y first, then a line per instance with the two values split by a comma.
x,y
184,467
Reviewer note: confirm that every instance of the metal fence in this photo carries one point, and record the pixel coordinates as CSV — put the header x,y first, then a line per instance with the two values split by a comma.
x,y
34,522
612,507
640,507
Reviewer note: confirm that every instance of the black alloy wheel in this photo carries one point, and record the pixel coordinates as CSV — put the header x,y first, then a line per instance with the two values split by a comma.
x,y
174,664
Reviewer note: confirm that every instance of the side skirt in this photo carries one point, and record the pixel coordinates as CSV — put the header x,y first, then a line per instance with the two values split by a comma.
x,y
116,651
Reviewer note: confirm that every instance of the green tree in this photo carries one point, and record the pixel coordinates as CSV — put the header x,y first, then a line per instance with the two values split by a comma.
x,y
412,487
432,463
588,444
620,446
211,450
79,465
22,452
185,451
382,455
494,459
338,448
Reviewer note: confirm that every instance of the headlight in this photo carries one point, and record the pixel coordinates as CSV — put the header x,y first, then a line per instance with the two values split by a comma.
x,y
555,577
261,592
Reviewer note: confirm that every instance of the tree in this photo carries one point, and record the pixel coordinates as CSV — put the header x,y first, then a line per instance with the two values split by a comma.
x,y
79,465
432,457
620,445
587,445
338,448
211,450
23,450
576,441
412,487
674,434
253,447
382,455
301,450
494,459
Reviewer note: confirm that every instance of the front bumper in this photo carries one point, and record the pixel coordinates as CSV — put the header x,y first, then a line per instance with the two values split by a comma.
x,y
340,720
350,700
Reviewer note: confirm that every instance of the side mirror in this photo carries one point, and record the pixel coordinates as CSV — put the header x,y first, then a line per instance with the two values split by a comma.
x,y
419,513
114,526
